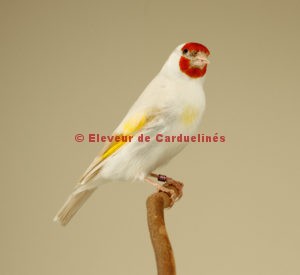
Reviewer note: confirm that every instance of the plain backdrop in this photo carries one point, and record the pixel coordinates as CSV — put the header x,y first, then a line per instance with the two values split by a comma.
x,y
71,67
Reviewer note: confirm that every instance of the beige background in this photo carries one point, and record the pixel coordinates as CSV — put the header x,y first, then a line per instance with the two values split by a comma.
x,y
72,67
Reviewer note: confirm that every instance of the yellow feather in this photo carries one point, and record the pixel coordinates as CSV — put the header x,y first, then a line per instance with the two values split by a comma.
x,y
134,124
189,115
113,147
131,126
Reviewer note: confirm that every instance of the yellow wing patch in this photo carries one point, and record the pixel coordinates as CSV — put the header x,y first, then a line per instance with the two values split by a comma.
x,y
134,124
189,115
114,146
130,127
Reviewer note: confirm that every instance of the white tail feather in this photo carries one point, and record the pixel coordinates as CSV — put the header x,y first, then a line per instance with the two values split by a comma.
x,y
72,205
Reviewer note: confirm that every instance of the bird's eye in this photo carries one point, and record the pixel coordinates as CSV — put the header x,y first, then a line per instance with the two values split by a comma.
x,y
185,51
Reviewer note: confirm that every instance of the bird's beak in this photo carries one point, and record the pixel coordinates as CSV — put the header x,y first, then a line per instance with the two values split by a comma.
x,y
200,60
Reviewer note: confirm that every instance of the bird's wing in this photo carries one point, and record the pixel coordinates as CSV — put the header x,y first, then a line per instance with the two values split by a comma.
x,y
151,109
132,124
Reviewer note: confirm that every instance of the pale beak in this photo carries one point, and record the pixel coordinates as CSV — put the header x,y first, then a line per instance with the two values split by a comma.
x,y
200,60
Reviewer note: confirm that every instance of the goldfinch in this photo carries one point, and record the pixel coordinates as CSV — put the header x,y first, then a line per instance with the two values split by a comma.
x,y
172,104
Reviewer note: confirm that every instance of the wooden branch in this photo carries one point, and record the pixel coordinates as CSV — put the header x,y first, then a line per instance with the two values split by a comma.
x,y
156,203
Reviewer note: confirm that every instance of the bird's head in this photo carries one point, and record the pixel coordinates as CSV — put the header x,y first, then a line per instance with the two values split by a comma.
x,y
191,59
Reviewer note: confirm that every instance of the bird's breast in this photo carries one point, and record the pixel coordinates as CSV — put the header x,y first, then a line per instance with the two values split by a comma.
x,y
189,115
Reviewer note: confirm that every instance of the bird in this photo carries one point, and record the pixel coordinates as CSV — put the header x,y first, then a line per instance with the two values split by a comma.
x,y
172,103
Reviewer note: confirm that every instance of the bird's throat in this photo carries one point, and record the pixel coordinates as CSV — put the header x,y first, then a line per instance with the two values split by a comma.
x,y
193,72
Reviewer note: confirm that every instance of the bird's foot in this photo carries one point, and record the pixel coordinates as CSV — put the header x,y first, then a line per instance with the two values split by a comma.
x,y
169,182
177,185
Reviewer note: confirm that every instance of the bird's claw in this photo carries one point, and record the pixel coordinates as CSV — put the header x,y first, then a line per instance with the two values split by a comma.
x,y
174,196
168,182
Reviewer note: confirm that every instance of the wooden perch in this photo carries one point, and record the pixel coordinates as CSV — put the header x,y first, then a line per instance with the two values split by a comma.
x,y
156,203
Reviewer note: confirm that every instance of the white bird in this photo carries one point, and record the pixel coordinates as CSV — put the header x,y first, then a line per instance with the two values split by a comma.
x,y
172,104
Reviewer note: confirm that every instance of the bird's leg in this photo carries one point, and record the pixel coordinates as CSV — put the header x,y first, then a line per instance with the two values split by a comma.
x,y
163,189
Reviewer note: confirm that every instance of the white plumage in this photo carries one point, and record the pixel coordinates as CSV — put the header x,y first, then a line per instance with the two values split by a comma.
x,y
172,104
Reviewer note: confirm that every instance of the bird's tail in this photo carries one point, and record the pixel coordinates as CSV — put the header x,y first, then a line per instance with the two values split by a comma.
x,y
73,204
